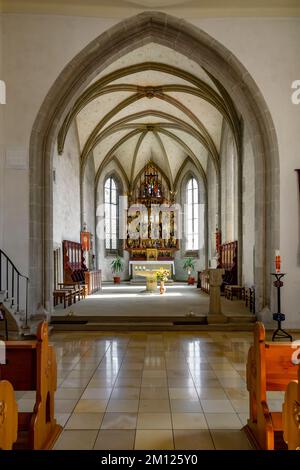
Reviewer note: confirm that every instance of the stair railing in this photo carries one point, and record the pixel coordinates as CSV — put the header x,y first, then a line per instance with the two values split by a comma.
x,y
12,282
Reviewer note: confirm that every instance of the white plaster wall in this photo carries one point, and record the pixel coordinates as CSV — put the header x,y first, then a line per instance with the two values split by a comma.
x,y
248,189
66,191
36,48
88,209
228,157
13,181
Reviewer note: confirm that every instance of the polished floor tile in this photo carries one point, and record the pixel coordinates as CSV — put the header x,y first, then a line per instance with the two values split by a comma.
x,y
155,439
119,421
128,382
90,406
187,439
113,439
96,393
65,406
223,421
230,440
211,393
128,393
130,406
85,421
189,421
155,406
183,393
150,393
68,393
217,406
185,406
154,420
74,440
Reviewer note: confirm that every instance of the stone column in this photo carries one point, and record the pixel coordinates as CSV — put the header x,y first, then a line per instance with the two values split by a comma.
x,y
215,312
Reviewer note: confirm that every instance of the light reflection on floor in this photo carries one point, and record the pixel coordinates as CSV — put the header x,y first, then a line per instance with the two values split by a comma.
x,y
152,390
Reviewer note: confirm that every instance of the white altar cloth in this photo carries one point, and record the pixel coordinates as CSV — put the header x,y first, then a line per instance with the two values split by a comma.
x,y
151,265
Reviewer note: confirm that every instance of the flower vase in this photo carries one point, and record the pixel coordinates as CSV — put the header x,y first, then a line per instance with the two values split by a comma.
x,y
162,288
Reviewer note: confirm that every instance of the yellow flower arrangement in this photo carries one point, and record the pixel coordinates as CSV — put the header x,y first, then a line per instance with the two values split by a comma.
x,y
163,274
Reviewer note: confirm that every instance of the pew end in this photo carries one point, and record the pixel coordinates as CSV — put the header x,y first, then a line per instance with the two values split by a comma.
x,y
31,365
269,368
8,416
291,414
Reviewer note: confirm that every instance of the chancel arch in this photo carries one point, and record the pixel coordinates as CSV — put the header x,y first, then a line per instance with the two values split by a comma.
x,y
217,62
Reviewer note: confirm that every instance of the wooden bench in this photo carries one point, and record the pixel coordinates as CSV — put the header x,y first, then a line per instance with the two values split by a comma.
x,y
291,414
233,291
31,365
68,293
77,290
269,368
250,299
8,416
60,296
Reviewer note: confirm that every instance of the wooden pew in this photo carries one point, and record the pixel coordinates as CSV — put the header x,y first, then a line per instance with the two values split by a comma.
x,y
31,365
8,416
269,368
291,414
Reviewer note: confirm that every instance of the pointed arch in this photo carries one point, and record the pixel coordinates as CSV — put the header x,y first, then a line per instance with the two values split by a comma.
x,y
126,36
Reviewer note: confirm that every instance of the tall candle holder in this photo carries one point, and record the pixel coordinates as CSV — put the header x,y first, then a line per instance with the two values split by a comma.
x,y
279,316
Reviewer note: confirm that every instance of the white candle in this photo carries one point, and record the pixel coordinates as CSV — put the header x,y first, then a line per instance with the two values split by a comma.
x,y
277,253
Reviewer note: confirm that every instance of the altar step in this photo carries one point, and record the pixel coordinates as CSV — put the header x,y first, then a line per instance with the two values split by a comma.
x,y
177,323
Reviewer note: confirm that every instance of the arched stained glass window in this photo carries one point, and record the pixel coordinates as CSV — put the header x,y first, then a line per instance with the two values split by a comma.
x,y
192,215
111,214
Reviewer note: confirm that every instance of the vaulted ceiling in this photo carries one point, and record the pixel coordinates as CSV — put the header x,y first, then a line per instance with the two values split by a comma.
x,y
152,103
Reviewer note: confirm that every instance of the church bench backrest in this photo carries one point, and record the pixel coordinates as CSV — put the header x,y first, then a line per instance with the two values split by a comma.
x,y
269,365
21,365
279,367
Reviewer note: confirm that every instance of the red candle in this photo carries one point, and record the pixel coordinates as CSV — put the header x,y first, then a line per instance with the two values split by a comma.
x,y
277,261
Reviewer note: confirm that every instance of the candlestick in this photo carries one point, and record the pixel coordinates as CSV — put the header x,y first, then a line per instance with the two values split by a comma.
x,y
279,316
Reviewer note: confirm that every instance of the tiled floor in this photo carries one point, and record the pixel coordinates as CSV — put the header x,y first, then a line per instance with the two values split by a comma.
x,y
151,391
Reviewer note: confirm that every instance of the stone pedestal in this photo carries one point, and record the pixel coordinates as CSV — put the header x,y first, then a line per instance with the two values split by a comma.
x,y
151,284
215,312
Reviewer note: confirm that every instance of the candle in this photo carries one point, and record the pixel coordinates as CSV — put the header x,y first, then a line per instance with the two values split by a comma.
x,y
277,261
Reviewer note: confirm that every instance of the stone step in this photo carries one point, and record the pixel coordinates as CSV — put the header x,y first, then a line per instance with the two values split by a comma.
x,y
152,327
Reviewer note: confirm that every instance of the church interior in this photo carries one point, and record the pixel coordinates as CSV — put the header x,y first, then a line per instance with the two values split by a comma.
x,y
149,225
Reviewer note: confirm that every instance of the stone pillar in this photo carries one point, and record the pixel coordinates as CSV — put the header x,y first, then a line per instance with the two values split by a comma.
x,y
215,312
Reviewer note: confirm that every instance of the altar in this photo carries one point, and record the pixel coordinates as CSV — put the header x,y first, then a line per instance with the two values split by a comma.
x,y
136,268
146,270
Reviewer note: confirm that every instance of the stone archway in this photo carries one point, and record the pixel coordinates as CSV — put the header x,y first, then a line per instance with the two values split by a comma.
x,y
197,45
